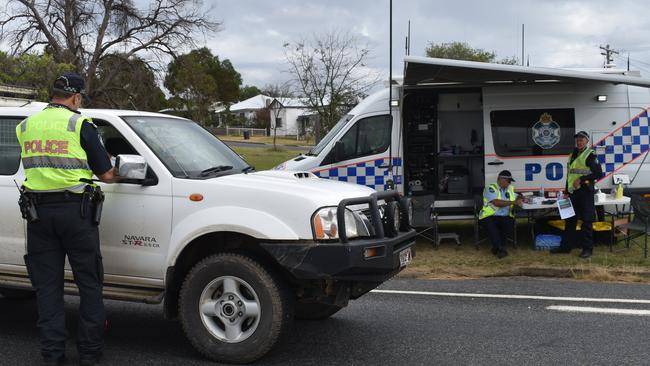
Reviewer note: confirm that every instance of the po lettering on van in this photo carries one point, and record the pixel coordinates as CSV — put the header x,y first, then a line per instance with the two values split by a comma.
x,y
554,171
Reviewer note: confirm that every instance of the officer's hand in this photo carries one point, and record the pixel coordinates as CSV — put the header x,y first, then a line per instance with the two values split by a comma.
x,y
576,183
110,176
519,201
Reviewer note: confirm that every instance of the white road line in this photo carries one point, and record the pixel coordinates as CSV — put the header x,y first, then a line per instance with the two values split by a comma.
x,y
518,297
586,309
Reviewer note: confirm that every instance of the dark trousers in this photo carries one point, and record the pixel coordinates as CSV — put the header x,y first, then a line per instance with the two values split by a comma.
x,y
498,228
62,231
583,205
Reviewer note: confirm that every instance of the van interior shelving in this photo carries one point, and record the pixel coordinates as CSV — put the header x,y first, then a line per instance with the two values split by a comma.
x,y
443,145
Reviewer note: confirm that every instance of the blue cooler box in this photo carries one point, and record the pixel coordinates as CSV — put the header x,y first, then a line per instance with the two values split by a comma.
x,y
547,242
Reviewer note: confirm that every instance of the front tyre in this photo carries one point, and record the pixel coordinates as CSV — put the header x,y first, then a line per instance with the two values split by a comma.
x,y
232,309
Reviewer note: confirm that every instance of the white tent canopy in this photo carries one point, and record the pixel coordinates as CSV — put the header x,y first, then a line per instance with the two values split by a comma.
x,y
428,71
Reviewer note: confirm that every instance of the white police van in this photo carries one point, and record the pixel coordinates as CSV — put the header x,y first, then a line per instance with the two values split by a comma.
x,y
456,124
234,254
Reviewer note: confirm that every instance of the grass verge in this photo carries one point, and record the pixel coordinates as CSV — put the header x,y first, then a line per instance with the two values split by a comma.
x,y
464,261
262,158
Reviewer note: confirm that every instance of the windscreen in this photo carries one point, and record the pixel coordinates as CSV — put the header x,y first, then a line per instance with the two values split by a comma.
x,y
186,149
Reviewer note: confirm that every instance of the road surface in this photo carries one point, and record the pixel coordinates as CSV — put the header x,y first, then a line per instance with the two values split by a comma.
x,y
518,321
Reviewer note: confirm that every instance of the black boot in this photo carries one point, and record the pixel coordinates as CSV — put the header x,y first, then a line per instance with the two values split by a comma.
x,y
586,253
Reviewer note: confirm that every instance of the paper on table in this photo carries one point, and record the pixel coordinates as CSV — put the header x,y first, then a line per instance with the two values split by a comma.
x,y
566,208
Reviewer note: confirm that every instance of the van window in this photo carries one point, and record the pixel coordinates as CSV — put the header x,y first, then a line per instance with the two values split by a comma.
x,y
533,132
9,147
368,136
330,135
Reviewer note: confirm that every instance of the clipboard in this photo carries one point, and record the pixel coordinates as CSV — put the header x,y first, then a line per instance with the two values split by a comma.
x,y
566,208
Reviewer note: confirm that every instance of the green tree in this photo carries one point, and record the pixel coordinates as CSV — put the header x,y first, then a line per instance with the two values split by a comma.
x,y
199,79
463,51
84,32
248,91
32,70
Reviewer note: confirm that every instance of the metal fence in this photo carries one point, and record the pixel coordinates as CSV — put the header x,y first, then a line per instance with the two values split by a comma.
x,y
238,131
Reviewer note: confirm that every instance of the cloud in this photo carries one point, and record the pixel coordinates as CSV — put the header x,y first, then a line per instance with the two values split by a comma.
x,y
558,33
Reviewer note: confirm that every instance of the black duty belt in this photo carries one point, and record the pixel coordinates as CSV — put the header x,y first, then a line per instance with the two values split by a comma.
x,y
55,197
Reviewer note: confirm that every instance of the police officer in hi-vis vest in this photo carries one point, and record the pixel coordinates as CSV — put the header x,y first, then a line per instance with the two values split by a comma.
x,y
61,150
584,171
497,216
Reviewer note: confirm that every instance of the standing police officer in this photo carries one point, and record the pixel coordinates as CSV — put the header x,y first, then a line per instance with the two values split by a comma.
x,y
61,150
584,172
497,215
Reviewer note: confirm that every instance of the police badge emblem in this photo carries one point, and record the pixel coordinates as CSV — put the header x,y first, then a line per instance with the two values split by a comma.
x,y
546,132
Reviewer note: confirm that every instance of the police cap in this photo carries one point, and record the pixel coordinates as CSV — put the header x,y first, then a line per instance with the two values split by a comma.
x,y
506,174
582,134
71,82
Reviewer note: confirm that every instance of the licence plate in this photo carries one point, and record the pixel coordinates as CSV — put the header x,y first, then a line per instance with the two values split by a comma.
x,y
405,257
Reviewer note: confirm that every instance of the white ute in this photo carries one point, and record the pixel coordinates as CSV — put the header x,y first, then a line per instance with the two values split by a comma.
x,y
235,254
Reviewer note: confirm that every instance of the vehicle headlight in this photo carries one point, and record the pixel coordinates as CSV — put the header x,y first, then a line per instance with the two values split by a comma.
x,y
325,225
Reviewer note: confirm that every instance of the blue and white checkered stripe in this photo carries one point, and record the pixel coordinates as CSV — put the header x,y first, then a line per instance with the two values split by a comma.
x,y
625,144
367,173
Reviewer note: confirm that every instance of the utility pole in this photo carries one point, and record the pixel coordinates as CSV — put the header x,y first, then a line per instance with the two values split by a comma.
x,y
523,44
608,52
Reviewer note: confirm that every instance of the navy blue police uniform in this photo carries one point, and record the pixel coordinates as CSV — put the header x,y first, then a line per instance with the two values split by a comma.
x,y
63,231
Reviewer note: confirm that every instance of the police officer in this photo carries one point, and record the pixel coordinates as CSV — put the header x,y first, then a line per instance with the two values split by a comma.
x,y
584,171
497,215
60,150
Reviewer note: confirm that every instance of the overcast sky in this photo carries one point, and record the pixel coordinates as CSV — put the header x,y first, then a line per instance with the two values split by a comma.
x,y
558,33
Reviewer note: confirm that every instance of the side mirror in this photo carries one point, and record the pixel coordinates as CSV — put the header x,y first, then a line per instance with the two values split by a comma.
x,y
131,166
339,151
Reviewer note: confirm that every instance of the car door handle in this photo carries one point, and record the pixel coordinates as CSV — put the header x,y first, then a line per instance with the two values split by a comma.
x,y
495,163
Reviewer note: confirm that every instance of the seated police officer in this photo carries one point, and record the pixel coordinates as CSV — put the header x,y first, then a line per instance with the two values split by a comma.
x,y
61,150
497,215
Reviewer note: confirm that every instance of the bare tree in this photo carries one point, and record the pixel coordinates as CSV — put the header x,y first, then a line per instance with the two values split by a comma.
x,y
329,71
281,92
85,32
278,90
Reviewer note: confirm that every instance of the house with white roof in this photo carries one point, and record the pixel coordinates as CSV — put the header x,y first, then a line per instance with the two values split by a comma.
x,y
291,116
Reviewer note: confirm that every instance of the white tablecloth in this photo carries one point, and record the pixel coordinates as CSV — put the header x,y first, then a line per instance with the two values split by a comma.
x,y
609,200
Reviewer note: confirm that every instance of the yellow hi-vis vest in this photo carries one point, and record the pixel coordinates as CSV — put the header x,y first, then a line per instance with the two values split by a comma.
x,y
578,168
490,209
51,151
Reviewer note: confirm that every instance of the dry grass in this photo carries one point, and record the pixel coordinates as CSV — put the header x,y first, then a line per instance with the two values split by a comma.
x,y
464,261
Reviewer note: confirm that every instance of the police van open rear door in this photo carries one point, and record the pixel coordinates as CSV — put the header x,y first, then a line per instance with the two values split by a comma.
x,y
530,115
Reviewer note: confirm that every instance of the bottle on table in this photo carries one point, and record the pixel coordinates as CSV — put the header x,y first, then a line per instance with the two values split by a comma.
x,y
619,191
